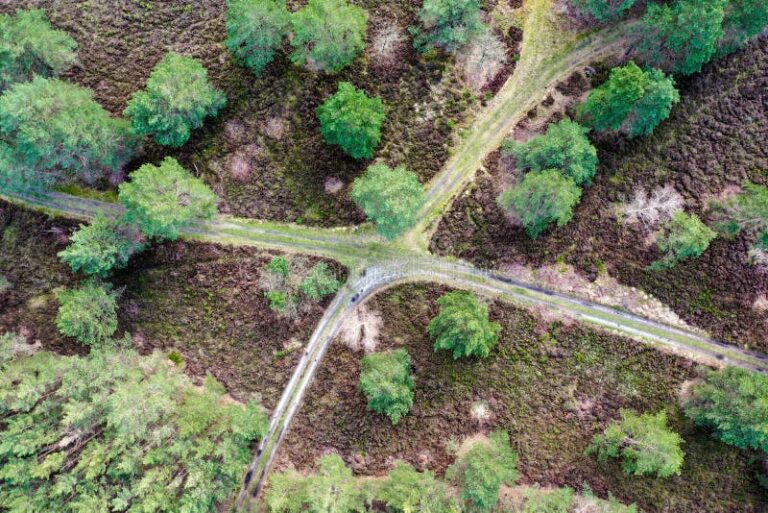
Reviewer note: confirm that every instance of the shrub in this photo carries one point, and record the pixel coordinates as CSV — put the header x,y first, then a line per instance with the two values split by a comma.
x,y
101,246
352,120
565,146
733,403
255,31
56,127
385,379
541,199
391,198
448,24
633,101
463,327
321,282
482,470
164,199
548,501
604,10
177,99
682,36
328,35
279,267
30,46
684,237
115,431
88,314
645,444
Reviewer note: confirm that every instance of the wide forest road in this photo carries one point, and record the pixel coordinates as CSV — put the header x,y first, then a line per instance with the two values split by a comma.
x,y
549,54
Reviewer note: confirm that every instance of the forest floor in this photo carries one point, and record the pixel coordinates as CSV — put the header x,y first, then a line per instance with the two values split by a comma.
x,y
264,154
202,300
551,386
714,141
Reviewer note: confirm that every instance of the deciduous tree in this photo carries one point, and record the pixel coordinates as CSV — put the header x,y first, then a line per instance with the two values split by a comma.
x,y
448,24
463,327
177,99
164,199
352,120
328,35
632,101
685,236
542,198
391,198
30,46
57,128
565,146
385,379
644,443
255,31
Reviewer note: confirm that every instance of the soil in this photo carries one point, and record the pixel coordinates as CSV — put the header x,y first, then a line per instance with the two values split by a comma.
x,y
714,140
551,386
201,300
264,154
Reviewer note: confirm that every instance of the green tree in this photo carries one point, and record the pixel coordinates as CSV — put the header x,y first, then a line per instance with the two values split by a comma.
x,y
448,24
30,46
733,402
16,176
743,20
177,99
462,326
541,199
385,379
565,146
57,128
328,35
644,443
352,120
748,211
682,36
604,10
633,101
391,198
685,236
88,314
482,470
116,431
255,31
408,491
102,246
280,267
321,282
164,199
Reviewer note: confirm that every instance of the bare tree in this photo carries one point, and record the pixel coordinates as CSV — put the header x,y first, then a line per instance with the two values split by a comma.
x,y
387,43
651,209
483,59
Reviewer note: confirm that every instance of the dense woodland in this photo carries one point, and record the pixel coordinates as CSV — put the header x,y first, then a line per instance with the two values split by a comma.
x,y
139,366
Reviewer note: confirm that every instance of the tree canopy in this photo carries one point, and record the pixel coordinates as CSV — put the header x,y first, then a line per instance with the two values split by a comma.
x,y
385,379
116,431
684,237
391,198
644,443
542,198
604,10
633,101
255,31
30,46
733,402
328,34
57,128
743,20
682,36
747,210
88,313
352,120
164,199
448,24
482,470
565,146
177,99
105,244
320,282
462,326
